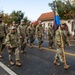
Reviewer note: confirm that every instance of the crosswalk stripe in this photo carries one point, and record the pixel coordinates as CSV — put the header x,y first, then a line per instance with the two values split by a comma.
x,y
7,69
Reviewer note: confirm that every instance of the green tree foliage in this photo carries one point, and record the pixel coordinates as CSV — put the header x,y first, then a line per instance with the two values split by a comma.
x,y
66,9
17,16
13,16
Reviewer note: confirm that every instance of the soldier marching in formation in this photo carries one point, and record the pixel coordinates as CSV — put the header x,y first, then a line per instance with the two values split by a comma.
x,y
31,34
18,36
40,34
2,35
61,33
12,44
50,36
22,31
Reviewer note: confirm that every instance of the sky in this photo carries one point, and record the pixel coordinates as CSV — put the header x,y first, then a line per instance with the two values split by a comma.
x,y
32,8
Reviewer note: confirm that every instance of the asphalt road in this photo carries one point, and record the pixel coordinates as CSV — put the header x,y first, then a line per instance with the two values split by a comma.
x,y
39,62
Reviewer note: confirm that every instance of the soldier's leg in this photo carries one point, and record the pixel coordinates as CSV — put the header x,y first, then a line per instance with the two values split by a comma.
x,y
0,47
61,57
22,45
57,56
31,40
3,43
10,52
42,38
50,42
17,57
39,42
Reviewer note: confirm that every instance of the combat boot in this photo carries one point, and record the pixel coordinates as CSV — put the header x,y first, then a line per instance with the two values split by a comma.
x,y
30,45
11,63
18,63
66,67
0,55
23,51
50,47
56,63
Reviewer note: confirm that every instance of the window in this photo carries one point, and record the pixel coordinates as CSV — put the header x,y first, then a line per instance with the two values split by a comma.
x,y
73,26
48,24
43,25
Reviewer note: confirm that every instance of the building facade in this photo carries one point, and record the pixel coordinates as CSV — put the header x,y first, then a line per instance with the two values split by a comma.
x,y
47,18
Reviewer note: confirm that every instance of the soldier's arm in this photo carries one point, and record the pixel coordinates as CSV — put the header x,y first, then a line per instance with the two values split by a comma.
x,y
50,31
8,40
18,31
4,30
66,38
28,30
37,30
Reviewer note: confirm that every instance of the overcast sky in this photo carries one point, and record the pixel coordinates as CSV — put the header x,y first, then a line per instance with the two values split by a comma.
x,y
32,8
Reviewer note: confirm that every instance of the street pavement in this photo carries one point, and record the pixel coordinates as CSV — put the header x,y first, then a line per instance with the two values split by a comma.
x,y
39,62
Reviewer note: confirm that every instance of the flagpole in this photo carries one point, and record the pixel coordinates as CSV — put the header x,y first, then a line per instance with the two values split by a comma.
x,y
62,46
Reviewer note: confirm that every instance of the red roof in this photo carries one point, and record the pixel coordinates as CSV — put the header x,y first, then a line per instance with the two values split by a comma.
x,y
35,22
46,16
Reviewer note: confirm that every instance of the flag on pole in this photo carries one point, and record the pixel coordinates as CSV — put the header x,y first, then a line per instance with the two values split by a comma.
x,y
56,18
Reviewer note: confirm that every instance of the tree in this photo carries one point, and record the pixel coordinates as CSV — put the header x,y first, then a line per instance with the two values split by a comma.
x,y
66,10
17,16
13,16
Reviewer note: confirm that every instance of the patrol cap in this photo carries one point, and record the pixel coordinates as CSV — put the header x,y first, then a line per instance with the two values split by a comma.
x,y
13,27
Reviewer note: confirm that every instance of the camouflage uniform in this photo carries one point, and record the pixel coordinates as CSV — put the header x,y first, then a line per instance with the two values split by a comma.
x,y
59,54
22,32
31,34
50,36
2,36
58,42
40,34
12,44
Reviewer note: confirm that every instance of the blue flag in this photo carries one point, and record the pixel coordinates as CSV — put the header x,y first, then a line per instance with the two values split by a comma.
x,y
56,18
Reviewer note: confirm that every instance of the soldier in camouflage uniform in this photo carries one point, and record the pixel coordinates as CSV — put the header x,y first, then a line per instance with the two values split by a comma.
x,y
7,27
2,36
34,32
14,24
40,34
22,31
59,54
50,36
31,34
12,44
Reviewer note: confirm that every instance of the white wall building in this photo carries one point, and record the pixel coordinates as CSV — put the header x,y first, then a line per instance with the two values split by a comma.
x,y
47,18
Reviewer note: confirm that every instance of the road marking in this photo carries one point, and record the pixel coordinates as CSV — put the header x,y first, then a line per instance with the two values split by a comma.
x,y
7,69
52,50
